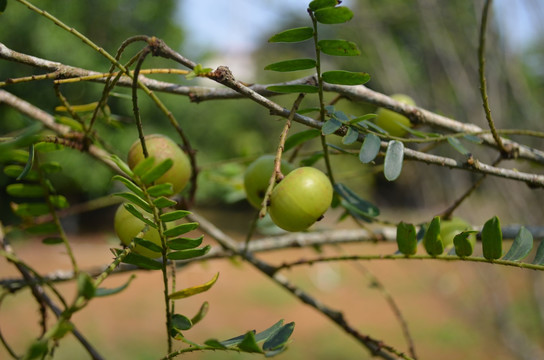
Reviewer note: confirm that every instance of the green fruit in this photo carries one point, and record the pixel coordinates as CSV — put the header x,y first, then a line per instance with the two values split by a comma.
x,y
162,148
390,120
258,175
127,226
300,199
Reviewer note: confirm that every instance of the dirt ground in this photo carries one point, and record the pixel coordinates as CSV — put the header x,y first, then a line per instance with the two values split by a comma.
x,y
450,308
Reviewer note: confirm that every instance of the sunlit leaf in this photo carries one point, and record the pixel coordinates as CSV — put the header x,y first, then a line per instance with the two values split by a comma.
x,y
318,4
338,48
394,157
290,89
333,15
291,65
432,241
144,166
300,137
521,247
406,238
492,239
121,165
161,190
370,148
293,35
157,171
193,290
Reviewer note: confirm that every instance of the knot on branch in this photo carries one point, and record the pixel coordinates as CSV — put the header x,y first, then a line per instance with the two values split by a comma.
x,y
156,46
222,74
509,151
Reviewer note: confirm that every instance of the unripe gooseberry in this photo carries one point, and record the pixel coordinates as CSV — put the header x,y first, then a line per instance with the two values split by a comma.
x,y
257,177
127,227
162,148
300,199
390,120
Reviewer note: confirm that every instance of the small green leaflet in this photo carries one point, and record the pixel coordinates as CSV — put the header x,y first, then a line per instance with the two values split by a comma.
x,y
85,286
14,171
161,190
180,229
357,205
157,171
147,244
330,126
351,136
333,15
30,161
184,243
521,247
30,209
318,4
290,89
492,239
25,190
249,344
193,290
370,148
292,65
201,313
456,144
338,47
141,261
463,245
539,257
406,238
342,77
279,338
431,241
394,157
131,209
293,35
188,254
3,5
163,202
136,200
181,322
144,166
174,215
121,165
42,229
106,292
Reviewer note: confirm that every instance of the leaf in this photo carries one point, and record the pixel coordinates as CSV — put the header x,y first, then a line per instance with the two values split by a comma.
x,y
25,190
15,155
180,229
157,171
30,209
43,229
54,240
492,239
51,167
280,338
300,137
234,341
291,65
358,207
28,136
131,209
136,200
122,165
201,313
29,163
289,89
456,144
147,244
539,257
370,148
406,238
130,185
362,118
182,294
431,241
188,254
162,202
462,243
522,246
142,261
100,292
161,190
394,156
59,201
293,35
330,126
68,121
174,215
248,343
265,334
333,15
14,171
184,243
85,286
3,5
351,136
318,4
144,166
338,48
180,322
37,350
312,159
214,343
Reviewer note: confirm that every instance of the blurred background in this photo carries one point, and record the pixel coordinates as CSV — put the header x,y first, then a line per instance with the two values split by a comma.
x,y
424,48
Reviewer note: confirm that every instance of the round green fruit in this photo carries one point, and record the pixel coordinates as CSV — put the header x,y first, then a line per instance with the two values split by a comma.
x,y
300,199
127,226
162,148
390,120
257,176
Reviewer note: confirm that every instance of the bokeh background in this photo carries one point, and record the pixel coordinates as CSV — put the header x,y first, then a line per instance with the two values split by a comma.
x,y
424,48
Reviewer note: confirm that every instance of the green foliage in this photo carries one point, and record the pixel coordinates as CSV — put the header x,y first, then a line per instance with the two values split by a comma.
x,y
492,239
394,157
406,238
